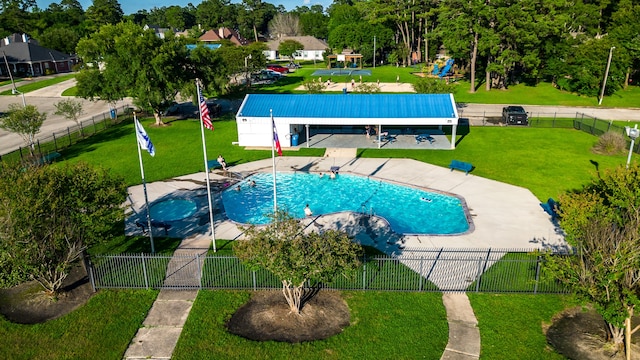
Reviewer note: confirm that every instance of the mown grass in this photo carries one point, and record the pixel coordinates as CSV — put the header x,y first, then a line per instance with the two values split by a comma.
x,y
516,272
101,329
39,84
384,325
512,326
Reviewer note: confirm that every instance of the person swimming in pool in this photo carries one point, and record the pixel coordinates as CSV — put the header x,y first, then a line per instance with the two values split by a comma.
x,y
425,199
252,183
307,211
238,188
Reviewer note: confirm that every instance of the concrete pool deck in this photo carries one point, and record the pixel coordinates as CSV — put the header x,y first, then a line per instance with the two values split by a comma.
x,y
503,215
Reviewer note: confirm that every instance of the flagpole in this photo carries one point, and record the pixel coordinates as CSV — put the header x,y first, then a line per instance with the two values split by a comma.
x,y
206,170
144,187
273,158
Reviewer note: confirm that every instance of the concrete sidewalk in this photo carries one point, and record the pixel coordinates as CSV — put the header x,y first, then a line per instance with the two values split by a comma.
x,y
464,335
160,331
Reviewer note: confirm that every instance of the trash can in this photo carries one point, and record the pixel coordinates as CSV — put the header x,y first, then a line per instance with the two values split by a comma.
x,y
294,140
113,113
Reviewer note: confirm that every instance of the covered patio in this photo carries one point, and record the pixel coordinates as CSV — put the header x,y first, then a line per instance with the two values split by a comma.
x,y
403,121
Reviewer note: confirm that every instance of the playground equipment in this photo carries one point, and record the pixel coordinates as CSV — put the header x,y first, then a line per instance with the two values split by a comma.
x,y
447,66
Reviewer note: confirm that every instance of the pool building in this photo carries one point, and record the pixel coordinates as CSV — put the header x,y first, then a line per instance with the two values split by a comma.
x,y
296,117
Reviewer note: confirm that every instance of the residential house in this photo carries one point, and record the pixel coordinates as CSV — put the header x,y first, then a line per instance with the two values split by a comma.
x,y
223,33
24,57
313,48
159,31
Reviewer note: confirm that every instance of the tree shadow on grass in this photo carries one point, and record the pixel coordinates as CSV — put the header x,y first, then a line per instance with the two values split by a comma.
x,y
91,143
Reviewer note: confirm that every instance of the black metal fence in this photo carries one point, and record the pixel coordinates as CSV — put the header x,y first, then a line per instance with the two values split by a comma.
x,y
442,270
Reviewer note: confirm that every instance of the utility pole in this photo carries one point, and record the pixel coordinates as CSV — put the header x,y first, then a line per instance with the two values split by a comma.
x,y
14,91
374,51
606,74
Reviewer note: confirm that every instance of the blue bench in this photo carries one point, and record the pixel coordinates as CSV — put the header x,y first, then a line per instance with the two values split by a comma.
x,y
551,207
460,165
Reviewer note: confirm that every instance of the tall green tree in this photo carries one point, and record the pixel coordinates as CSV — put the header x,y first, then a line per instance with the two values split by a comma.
x,y
313,21
212,14
103,12
602,224
125,60
627,34
50,215
24,121
256,15
297,257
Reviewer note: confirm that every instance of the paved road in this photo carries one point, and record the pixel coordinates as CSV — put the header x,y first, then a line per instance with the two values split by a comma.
x,y
45,99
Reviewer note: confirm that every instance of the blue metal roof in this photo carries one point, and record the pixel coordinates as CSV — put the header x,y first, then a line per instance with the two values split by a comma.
x,y
370,106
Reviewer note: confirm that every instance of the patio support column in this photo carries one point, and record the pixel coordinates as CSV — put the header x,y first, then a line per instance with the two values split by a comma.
x,y
453,136
307,127
379,130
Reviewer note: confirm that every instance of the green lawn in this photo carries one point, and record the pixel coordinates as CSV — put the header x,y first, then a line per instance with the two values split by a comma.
x,y
101,329
385,325
512,326
39,84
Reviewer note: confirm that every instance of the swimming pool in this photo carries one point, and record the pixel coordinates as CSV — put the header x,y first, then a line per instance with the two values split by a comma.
x,y
408,210
172,209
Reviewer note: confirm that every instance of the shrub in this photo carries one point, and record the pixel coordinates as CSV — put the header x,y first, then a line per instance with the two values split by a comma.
x,y
610,143
313,86
367,88
432,86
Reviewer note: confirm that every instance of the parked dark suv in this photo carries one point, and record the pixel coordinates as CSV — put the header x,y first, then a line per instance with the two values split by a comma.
x,y
514,115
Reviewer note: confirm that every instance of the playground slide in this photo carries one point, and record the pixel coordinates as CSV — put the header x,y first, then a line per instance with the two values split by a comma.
x,y
447,67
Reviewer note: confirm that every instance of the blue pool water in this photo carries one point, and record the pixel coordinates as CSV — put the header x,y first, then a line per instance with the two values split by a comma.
x,y
172,210
408,210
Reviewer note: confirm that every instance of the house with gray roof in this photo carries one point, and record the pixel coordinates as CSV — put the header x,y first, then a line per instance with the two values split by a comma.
x,y
313,48
24,57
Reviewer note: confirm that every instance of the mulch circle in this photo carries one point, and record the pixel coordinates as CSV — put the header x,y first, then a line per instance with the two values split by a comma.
x,y
581,334
267,317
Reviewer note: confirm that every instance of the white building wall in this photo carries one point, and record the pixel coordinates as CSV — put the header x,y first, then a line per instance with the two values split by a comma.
x,y
257,132
302,55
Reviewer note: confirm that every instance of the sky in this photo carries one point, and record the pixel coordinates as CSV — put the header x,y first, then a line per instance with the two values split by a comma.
x,y
132,6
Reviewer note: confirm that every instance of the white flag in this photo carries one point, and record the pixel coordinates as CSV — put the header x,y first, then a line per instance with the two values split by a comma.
x,y
143,138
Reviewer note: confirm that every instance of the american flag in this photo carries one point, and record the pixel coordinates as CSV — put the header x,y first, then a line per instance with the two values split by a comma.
x,y
204,113
275,138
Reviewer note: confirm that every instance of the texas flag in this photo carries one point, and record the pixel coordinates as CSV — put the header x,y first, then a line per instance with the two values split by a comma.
x,y
275,137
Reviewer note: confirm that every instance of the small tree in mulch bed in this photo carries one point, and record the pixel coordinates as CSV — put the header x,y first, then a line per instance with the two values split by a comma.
x,y
297,257
602,224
